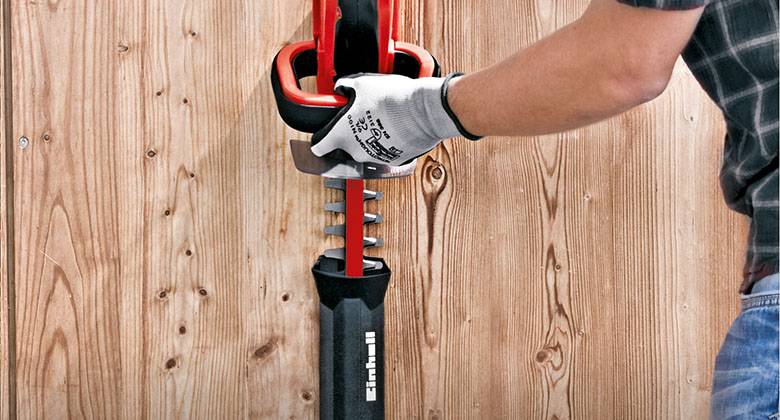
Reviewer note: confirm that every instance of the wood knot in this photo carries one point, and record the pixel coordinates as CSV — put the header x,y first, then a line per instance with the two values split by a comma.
x,y
307,396
123,48
433,171
434,414
264,351
285,297
171,363
182,329
46,137
553,356
543,356
162,294
151,153
203,292
434,181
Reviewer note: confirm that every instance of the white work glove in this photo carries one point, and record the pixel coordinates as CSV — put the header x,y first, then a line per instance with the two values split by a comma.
x,y
390,119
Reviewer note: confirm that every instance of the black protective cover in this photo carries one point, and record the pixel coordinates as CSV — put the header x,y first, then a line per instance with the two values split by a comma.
x,y
350,307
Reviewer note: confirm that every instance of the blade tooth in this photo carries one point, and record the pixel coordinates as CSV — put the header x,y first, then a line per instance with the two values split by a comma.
x,y
335,253
370,218
335,183
372,265
371,242
372,195
339,230
338,253
337,207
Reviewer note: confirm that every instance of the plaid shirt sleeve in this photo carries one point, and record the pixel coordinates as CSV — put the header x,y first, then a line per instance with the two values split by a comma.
x,y
667,4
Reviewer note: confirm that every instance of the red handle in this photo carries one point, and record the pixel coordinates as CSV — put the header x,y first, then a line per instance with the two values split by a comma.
x,y
325,16
289,81
290,85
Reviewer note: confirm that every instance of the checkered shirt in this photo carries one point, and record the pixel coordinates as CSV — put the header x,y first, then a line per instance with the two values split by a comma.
x,y
734,55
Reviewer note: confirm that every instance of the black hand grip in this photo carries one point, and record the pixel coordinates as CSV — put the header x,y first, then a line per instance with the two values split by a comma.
x,y
302,117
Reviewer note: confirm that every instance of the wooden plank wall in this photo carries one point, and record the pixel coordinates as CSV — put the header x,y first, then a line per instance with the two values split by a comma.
x,y
163,237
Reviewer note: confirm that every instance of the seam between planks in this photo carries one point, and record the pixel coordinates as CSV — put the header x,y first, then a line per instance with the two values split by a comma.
x,y
9,207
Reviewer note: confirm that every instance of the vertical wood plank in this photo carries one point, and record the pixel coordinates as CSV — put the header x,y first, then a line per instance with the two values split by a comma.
x,y
164,237
283,222
5,311
67,211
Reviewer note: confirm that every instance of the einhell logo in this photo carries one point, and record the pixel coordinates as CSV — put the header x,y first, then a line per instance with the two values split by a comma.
x,y
371,366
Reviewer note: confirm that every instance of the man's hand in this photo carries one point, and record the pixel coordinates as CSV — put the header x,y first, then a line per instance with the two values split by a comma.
x,y
390,119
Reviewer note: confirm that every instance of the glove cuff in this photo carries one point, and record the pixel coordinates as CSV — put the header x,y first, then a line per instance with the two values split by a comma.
x,y
445,102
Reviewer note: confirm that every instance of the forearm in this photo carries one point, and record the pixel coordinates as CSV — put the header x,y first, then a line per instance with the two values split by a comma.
x,y
590,70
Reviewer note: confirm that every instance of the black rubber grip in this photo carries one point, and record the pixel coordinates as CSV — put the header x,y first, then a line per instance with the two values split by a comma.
x,y
306,118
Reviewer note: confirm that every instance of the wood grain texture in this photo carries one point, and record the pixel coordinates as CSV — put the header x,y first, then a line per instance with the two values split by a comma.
x,y
5,332
590,274
163,238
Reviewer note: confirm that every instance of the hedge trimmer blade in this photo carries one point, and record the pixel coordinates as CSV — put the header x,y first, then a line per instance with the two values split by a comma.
x,y
308,162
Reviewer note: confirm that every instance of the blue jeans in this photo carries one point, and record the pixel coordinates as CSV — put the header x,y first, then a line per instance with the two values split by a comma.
x,y
745,383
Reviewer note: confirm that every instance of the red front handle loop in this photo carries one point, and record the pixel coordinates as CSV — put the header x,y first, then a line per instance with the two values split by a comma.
x,y
307,111
289,78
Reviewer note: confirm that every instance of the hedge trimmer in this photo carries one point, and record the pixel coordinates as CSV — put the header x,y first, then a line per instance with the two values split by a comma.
x,y
350,36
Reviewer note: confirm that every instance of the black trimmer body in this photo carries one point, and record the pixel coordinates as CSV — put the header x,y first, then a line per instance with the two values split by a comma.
x,y
351,341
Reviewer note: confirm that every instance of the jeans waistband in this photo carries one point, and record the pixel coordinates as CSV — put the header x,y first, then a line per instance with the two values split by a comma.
x,y
766,292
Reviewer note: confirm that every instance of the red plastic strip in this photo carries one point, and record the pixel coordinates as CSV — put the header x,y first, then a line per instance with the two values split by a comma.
x,y
386,16
326,45
354,228
396,15
316,18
